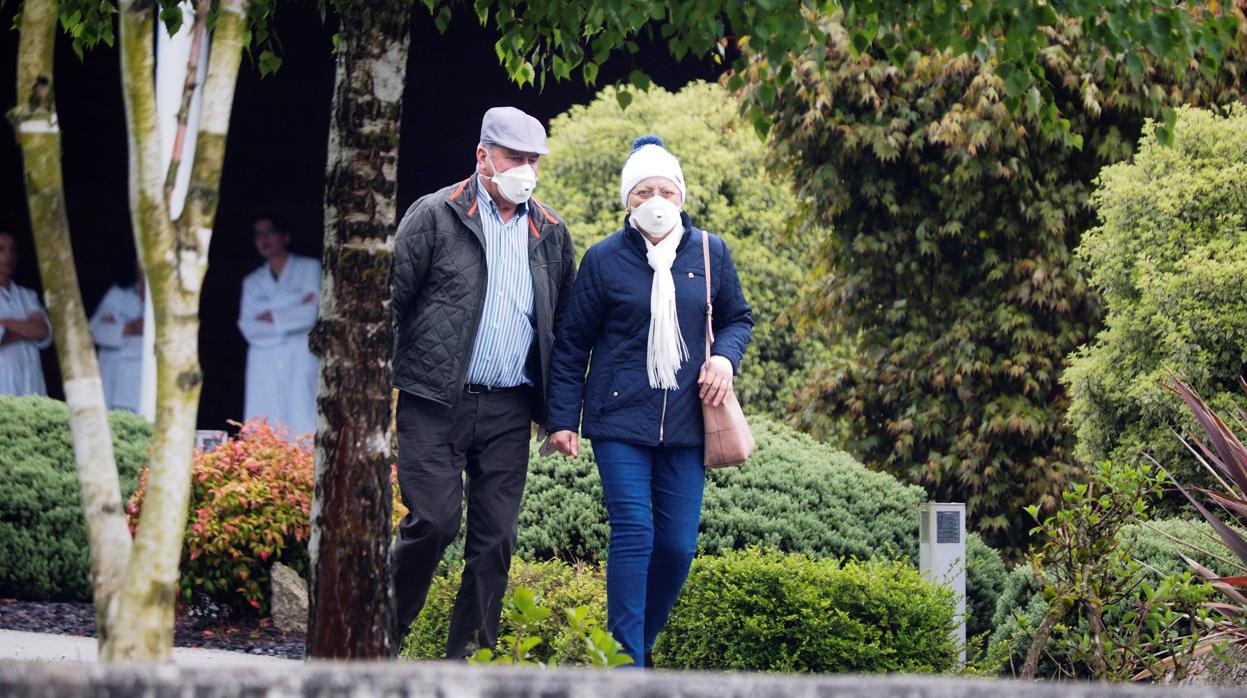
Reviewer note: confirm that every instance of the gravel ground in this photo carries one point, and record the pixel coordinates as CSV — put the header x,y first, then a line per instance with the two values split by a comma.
x,y
63,618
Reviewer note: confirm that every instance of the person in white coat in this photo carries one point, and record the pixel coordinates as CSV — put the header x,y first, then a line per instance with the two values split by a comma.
x,y
279,304
117,326
24,328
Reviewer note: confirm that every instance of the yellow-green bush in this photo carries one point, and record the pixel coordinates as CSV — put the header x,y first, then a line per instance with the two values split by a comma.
x,y
1170,259
558,585
767,611
730,193
43,541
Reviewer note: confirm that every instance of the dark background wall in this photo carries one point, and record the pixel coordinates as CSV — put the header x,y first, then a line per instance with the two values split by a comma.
x,y
275,157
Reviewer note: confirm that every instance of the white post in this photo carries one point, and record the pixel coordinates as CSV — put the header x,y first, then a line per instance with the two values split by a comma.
x,y
172,58
942,555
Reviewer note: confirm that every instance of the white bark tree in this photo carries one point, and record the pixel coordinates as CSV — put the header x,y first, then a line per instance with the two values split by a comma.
x,y
38,132
174,252
134,583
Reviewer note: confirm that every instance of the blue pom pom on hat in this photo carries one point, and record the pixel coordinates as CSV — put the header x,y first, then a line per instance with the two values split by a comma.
x,y
650,158
647,139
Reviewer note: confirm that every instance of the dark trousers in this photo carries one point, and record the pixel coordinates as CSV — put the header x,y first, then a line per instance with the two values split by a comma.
x,y
485,435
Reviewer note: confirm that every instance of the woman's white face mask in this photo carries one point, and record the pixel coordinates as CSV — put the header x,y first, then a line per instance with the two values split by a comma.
x,y
657,216
516,184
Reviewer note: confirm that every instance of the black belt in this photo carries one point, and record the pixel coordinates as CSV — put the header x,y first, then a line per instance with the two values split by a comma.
x,y
478,389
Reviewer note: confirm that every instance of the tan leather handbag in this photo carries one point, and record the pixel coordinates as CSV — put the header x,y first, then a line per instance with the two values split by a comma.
x,y
729,441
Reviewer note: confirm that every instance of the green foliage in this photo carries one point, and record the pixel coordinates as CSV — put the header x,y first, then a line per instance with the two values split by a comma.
x,y
559,587
1102,611
557,38
250,506
1155,545
767,611
794,495
731,193
1159,544
1170,259
949,272
43,540
521,613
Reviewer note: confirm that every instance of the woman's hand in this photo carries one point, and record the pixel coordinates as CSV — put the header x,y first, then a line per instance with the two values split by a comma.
x,y
716,380
565,442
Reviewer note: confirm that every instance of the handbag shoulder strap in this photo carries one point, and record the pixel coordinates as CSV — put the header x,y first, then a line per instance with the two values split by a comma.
x,y
705,255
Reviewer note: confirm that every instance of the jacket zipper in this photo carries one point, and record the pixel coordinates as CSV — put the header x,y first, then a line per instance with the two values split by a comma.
x,y
662,421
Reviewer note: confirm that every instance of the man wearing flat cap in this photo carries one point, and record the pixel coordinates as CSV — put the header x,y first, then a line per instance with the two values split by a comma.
x,y
481,274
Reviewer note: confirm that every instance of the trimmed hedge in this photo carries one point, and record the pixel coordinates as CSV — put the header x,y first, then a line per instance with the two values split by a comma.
x,y
766,611
43,540
794,495
751,609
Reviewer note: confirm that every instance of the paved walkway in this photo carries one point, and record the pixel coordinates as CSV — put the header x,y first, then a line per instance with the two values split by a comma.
x,y
23,646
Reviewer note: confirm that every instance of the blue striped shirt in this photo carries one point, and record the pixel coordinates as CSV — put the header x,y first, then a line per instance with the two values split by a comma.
x,y
506,331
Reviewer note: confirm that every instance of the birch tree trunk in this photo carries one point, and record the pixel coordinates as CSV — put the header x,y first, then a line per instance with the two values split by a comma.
x,y
352,607
38,132
175,256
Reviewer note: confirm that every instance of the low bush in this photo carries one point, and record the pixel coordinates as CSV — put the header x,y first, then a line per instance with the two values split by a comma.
x,y
749,610
766,611
250,506
557,586
794,495
43,541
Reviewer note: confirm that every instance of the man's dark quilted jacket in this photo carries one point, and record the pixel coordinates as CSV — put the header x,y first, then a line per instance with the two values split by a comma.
x,y
438,291
609,314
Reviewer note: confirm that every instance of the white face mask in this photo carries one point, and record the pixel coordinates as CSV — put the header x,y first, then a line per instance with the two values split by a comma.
x,y
657,216
516,184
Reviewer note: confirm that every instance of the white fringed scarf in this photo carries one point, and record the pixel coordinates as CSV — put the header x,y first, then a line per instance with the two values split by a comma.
x,y
667,351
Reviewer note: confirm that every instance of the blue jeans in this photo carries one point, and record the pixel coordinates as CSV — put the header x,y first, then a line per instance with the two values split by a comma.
x,y
653,498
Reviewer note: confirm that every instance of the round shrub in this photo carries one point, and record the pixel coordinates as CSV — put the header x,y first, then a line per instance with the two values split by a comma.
x,y
43,540
1170,258
250,506
730,193
766,611
558,586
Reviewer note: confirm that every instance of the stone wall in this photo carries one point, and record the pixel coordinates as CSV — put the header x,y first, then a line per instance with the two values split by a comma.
x,y
443,680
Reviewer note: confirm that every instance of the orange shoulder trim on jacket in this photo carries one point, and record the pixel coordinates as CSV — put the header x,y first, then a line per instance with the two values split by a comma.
x,y
549,218
533,227
459,190
472,211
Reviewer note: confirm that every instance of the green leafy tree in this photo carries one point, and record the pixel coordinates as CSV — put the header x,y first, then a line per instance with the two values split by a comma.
x,y
731,193
950,268
557,38
1170,260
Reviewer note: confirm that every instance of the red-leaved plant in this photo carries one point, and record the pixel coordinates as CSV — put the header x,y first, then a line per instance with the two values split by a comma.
x,y
250,505
1225,457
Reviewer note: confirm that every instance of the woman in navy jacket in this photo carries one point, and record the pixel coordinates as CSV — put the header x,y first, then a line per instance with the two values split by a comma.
x,y
637,320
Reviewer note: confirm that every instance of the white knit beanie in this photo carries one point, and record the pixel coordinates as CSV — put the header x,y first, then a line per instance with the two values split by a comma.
x,y
649,159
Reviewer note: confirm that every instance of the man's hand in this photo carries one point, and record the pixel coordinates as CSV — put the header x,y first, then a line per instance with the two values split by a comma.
x,y
715,380
565,442
266,316
133,327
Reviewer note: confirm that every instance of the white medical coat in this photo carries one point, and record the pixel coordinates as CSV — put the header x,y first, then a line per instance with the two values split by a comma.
x,y
121,355
20,370
281,370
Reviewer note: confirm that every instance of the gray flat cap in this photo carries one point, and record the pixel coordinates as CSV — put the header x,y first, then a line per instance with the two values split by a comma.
x,y
511,128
